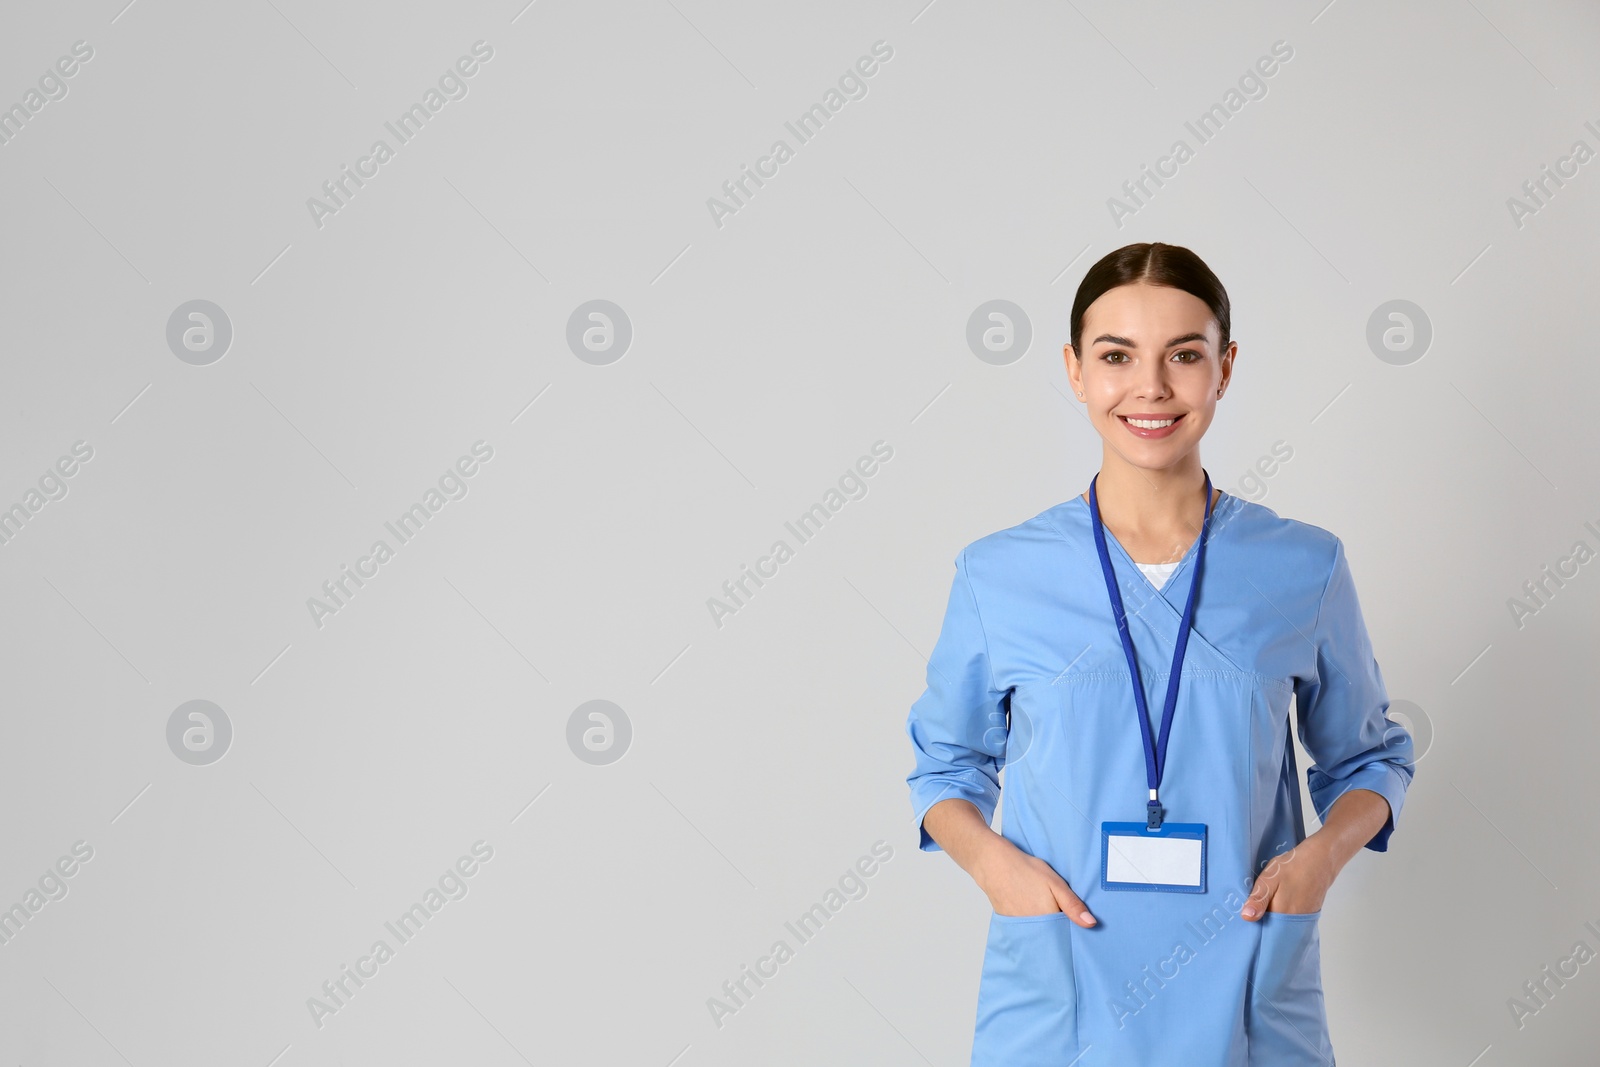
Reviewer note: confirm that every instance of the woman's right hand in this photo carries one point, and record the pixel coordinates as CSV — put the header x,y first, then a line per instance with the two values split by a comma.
x,y
1018,884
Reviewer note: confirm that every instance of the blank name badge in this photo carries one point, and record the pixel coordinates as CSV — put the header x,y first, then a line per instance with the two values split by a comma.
x,y
1170,859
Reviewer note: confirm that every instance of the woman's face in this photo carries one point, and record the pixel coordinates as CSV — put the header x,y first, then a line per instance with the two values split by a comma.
x,y
1151,354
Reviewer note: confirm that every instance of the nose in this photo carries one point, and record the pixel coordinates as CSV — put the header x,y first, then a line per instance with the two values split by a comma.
x,y
1152,383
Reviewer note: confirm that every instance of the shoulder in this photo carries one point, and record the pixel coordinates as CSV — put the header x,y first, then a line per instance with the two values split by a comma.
x,y
1042,529
1281,549
1261,522
1023,549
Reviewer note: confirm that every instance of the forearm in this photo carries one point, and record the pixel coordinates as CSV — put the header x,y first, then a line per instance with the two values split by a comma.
x,y
1353,820
959,828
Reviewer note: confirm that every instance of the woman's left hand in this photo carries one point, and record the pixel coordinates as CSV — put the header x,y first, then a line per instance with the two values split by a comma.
x,y
1295,881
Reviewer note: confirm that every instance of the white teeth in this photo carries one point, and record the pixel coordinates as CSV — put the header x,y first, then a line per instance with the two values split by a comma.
x,y
1151,424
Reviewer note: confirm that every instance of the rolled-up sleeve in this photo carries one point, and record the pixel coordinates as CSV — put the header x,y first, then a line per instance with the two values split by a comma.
x,y
1343,710
958,725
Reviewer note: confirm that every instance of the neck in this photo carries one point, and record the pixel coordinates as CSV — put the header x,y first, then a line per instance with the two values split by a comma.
x,y
1145,504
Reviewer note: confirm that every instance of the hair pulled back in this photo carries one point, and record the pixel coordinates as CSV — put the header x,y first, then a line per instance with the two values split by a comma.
x,y
1153,263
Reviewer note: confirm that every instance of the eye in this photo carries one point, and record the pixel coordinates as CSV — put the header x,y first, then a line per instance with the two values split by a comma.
x,y
1106,356
1189,352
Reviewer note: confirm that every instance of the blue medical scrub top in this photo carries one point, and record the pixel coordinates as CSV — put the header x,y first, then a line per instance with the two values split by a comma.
x,y
1029,676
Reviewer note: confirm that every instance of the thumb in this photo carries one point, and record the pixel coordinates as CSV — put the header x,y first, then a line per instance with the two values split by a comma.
x,y
1072,904
1256,903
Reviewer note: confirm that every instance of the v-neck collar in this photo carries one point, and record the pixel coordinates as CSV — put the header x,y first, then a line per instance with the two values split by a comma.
x,y
1139,592
1183,564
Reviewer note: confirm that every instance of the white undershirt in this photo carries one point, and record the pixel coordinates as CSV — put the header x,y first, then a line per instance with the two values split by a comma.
x,y
1158,573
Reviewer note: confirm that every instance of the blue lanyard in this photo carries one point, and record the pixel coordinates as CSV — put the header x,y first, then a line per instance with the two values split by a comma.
x,y
1155,750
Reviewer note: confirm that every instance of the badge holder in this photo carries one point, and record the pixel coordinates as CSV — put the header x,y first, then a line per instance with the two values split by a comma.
x,y
1170,858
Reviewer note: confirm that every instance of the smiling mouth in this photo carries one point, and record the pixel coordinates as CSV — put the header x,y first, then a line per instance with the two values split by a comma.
x,y
1151,424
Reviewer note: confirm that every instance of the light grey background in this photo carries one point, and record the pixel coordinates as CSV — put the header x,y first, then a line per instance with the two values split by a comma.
x,y
767,754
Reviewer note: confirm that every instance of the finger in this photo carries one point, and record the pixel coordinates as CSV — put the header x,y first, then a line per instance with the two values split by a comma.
x,y
1255,904
1072,904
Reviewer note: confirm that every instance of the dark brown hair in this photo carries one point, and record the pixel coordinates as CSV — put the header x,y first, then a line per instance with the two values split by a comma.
x,y
1155,264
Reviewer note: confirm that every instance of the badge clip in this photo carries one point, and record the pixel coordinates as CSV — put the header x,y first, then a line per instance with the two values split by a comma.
x,y
1153,816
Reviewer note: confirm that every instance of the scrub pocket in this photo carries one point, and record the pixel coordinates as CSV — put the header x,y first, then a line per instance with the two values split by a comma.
x,y
1287,1025
1027,998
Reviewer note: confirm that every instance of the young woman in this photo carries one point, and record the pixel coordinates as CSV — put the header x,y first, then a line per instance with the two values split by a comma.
x,y
1129,657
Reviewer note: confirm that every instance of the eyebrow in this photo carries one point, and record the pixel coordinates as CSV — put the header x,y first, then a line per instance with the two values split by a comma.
x,y
1109,338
